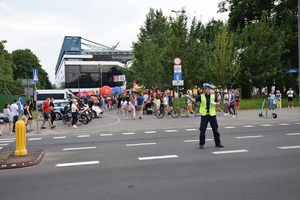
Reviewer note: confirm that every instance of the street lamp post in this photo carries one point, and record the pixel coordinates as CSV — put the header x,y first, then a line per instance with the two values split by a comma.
x,y
78,82
3,41
100,75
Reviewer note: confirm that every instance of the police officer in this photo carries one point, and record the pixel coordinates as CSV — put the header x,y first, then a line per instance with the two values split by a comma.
x,y
207,110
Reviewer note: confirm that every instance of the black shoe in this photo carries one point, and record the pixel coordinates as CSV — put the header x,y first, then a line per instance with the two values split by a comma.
x,y
219,145
201,147
43,127
52,127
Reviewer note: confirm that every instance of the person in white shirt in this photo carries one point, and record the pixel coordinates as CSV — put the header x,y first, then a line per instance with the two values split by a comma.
x,y
290,94
124,105
6,116
14,112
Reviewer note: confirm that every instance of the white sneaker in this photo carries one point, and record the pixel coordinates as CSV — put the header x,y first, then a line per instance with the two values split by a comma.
x,y
74,126
225,114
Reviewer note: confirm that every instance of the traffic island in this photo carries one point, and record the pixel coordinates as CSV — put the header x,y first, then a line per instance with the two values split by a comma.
x,y
8,159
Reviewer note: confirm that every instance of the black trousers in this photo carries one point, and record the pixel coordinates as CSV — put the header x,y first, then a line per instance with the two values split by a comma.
x,y
53,116
203,126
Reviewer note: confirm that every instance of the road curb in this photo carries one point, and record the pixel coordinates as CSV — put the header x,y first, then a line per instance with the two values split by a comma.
x,y
9,161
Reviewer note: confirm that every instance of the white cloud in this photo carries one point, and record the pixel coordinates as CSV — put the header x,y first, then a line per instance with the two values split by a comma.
x,y
41,25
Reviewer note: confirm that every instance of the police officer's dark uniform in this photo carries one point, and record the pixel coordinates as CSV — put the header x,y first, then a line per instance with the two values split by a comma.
x,y
207,111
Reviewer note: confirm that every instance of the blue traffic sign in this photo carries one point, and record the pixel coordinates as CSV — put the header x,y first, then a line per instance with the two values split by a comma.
x,y
288,71
35,76
21,105
177,76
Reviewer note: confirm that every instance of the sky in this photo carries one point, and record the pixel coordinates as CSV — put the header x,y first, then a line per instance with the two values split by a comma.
x,y
41,25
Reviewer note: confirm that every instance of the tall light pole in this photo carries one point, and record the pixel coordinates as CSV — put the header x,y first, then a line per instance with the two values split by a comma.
x,y
100,75
3,41
176,11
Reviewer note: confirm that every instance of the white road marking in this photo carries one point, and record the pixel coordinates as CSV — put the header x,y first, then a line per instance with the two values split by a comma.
x,y
293,134
196,140
83,136
5,141
192,129
140,144
4,144
297,123
251,136
1,147
150,132
230,127
108,134
290,147
130,133
158,157
78,148
284,124
77,163
61,137
34,139
171,131
232,151
266,125
248,126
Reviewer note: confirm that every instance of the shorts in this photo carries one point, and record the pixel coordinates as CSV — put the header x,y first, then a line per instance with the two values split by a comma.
x,y
46,116
290,98
5,120
190,108
237,103
139,108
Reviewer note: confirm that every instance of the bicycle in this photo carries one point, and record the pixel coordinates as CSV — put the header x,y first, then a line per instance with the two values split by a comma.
x,y
160,113
184,110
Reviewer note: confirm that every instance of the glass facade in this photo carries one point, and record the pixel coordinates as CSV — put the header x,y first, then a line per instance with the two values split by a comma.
x,y
90,76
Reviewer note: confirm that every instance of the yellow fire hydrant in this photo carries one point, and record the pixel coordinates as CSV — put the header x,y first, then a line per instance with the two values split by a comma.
x,y
20,138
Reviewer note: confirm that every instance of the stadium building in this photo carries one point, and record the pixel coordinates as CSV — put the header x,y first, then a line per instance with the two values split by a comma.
x,y
93,67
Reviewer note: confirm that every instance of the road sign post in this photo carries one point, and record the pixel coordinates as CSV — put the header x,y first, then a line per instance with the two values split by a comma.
x,y
35,80
177,76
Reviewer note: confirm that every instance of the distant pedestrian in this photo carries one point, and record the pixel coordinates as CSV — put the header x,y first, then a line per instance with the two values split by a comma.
x,y
52,110
46,113
278,99
132,104
272,100
290,94
15,112
29,115
237,101
124,104
74,110
207,110
140,103
6,119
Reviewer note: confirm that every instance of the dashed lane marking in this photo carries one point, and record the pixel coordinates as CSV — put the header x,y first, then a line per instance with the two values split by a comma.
x,y
130,133
266,125
34,139
191,129
83,136
77,163
284,124
171,131
229,127
248,126
196,140
231,151
78,148
61,137
293,134
107,134
140,144
157,157
250,136
290,147
150,132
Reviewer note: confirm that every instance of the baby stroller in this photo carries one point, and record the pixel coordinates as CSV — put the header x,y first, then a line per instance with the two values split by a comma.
x,y
148,108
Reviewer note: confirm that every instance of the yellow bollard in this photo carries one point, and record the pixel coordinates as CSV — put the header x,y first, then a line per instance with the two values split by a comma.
x,y
20,138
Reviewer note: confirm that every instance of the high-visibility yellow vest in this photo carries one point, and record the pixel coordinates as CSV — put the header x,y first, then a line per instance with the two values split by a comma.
x,y
203,110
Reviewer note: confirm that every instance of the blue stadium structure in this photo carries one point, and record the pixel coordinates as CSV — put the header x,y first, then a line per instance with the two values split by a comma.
x,y
89,67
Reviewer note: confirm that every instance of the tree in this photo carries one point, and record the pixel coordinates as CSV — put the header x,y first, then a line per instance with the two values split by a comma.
x,y
25,62
263,46
225,61
6,71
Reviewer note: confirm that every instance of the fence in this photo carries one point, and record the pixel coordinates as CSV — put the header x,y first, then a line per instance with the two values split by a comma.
x,y
9,99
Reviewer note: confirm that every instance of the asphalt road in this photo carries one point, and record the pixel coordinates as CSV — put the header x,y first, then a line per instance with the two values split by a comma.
x,y
112,158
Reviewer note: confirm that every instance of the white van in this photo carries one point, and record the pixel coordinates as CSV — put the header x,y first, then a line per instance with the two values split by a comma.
x,y
58,95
